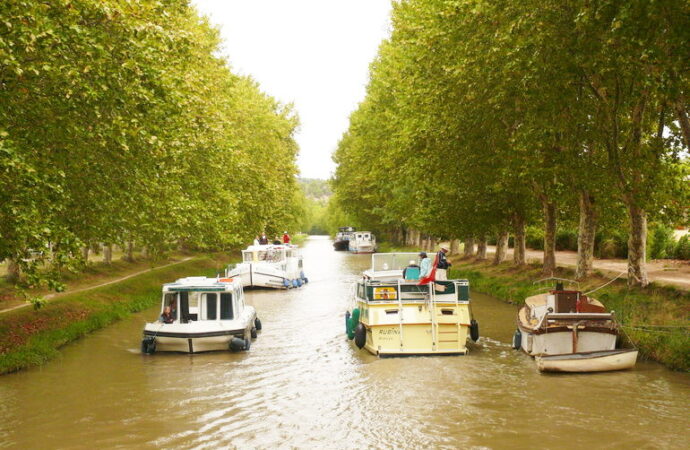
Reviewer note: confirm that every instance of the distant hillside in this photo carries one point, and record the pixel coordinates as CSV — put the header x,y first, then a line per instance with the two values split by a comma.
x,y
315,188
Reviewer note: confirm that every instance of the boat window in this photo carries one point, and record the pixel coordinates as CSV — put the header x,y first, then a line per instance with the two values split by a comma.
x,y
247,256
360,290
184,307
226,306
170,299
211,306
366,236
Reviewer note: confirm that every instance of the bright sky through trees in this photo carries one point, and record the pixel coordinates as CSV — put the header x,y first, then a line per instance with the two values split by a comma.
x,y
313,53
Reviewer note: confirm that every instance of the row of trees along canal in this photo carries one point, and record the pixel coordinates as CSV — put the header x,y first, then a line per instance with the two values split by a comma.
x,y
483,117
120,124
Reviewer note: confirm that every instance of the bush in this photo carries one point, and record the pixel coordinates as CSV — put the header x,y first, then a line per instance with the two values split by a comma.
x,y
611,245
660,243
566,240
682,248
535,238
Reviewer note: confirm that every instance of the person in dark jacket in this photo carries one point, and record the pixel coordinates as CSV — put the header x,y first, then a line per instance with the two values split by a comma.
x,y
442,264
263,240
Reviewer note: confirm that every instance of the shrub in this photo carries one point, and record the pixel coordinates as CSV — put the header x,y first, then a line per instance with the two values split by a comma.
x,y
660,243
535,238
566,240
682,250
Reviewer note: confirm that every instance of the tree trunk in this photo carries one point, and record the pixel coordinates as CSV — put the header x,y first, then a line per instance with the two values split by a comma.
x,y
549,237
637,243
13,271
501,247
108,253
481,248
468,251
145,253
585,236
85,253
454,246
520,250
682,117
129,252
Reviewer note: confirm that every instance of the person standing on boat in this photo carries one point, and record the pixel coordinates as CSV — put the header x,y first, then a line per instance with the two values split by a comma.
x,y
286,237
442,265
424,265
256,240
263,240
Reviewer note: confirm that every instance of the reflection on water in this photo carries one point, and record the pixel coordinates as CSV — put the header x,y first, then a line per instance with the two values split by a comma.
x,y
304,385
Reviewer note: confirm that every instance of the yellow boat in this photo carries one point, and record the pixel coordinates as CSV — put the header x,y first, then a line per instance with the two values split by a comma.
x,y
393,316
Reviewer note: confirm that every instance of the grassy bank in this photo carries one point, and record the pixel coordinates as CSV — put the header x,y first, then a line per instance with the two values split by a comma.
x,y
655,318
30,338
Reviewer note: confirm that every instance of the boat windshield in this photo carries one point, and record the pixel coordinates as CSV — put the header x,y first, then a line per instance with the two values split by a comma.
x,y
392,261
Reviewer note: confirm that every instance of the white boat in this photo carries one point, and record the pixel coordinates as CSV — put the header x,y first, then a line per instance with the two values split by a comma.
x,y
270,266
588,362
392,316
567,329
205,314
342,238
362,242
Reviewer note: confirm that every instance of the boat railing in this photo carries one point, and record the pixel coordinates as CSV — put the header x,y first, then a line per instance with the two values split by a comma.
x,y
402,290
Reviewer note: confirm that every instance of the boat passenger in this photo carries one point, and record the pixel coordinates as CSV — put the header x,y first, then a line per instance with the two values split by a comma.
x,y
286,237
424,265
263,240
411,272
167,316
256,240
276,241
442,265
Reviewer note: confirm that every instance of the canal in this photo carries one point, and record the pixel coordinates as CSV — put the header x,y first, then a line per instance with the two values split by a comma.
x,y
304,385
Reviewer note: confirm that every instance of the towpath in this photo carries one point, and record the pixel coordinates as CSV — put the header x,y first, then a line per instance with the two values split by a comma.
x,y
50,297
664,271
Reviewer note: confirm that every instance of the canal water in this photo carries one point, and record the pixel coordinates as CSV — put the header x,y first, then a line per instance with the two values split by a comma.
x,y
304,385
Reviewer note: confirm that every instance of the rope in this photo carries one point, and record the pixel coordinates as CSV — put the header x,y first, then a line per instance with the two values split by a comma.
x,y
604,285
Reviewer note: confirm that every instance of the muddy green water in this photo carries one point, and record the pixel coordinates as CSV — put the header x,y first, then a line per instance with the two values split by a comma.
x,y
304,385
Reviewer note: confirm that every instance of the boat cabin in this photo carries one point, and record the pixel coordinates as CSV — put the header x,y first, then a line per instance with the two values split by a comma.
x,y
199,299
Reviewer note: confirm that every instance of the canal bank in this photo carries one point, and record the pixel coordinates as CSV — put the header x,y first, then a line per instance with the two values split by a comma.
x,y
656,318
32,337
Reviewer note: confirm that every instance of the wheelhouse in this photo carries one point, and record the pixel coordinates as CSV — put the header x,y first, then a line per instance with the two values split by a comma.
x,y
199,299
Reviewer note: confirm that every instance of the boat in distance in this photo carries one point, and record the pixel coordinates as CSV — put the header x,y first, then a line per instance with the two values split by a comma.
x,y
362,242
396,316
342,238
568,331
277,266
200,314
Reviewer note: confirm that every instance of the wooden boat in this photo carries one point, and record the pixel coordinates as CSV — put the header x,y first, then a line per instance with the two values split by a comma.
x,y
342,238
206,314
392,316
269,266
588,362
362,242
569,330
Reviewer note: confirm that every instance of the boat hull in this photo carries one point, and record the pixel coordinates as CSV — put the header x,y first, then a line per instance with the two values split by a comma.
x,y
256,275
561,342
341,245
588,362
417,335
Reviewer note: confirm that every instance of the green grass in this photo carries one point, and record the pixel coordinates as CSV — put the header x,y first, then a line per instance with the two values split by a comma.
x,y
30,338
655,318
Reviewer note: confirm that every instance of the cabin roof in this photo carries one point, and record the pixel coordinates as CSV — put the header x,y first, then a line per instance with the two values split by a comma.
x,y
202,284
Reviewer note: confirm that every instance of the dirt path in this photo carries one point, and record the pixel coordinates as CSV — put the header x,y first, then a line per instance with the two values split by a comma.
x,y
86,288
664,271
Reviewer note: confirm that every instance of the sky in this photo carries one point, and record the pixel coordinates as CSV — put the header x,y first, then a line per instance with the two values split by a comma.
x,y
312,53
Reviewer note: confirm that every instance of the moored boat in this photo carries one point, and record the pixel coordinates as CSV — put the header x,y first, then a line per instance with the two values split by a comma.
x,y
270,266
604,361
568,331
393,316
362,242
200,314
342,238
